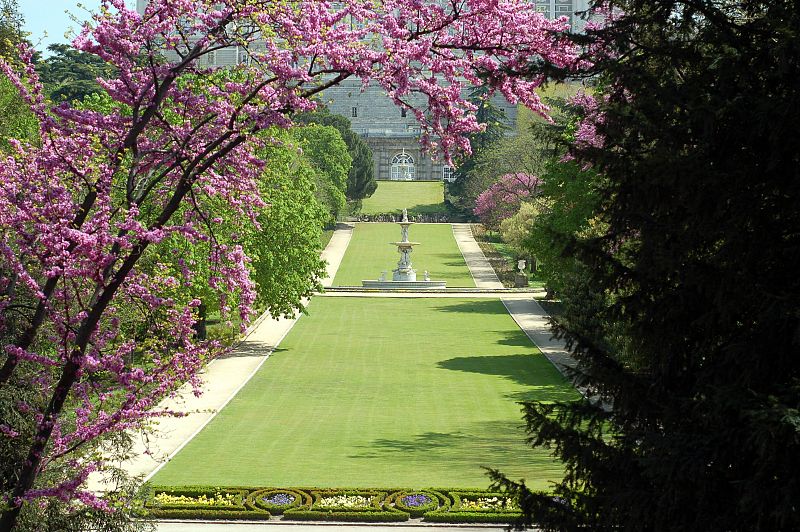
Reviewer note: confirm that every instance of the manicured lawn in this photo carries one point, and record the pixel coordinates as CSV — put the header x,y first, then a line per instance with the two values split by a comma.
x,y
419,197
369,253
374,392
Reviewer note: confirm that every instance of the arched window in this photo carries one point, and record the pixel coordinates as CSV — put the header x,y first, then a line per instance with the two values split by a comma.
x,y
403,167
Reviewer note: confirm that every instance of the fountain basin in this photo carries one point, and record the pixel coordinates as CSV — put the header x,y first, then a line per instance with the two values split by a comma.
x,y
403,285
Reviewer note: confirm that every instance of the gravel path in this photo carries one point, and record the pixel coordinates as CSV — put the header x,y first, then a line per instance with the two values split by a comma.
x,y
481,270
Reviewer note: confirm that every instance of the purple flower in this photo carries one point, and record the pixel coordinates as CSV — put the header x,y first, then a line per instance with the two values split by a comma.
x,y
280,499
413,501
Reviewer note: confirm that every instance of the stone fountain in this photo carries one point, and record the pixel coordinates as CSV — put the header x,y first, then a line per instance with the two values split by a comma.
x,y
404,276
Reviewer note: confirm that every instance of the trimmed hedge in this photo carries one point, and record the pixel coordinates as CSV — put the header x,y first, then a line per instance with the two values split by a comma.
x,y
199,491
445,505
374,512
359,517
438,502
471,517
233,515
256,500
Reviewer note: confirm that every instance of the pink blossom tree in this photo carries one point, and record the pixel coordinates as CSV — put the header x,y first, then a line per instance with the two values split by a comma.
x,y
83,209
503,199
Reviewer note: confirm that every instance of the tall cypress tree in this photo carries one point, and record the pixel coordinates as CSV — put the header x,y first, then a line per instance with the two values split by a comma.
x,y
687,328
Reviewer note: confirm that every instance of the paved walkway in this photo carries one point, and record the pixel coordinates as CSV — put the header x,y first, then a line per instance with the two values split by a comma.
x,y
278,526
532,319
481,270
222,378
485,294
334,251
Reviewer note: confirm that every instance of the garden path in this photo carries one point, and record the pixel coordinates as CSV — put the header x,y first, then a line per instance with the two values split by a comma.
x,y
334,251
481,269
190,526
533,320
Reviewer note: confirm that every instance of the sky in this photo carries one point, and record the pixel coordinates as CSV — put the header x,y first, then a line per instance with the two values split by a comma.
x,y
50,16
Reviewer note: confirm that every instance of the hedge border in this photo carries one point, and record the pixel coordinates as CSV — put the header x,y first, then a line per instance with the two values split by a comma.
x,y
385,505
439,502
194,491
356,517
471,517
200,513
255,500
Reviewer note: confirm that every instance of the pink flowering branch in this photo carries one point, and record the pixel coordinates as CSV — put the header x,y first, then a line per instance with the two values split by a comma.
x,y
82,210
503,198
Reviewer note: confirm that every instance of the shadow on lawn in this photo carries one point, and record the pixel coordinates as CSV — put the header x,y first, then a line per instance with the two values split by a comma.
x,y
252,349
485,306
480,444
520,369
429,208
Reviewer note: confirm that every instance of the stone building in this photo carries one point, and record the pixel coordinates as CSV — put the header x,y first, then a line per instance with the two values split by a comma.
x,y
392,132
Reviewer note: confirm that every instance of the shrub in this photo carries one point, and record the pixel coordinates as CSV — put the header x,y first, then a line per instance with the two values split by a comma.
x,y
200,513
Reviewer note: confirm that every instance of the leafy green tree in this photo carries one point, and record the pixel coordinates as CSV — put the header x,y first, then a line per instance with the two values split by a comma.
x,y
687,327
515,230
285,246
326,151
16,120
361,177
568,203
69,74
11,34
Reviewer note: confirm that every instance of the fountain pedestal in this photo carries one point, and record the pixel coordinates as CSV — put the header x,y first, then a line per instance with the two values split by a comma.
x,y
404,276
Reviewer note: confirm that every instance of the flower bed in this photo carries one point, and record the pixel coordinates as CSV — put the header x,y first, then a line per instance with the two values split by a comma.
x,y
477,507
278,501
418,503
348,505
207,498
195,502
314,504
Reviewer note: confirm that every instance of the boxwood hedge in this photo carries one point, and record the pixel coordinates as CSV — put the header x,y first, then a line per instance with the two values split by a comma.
x,y
385,505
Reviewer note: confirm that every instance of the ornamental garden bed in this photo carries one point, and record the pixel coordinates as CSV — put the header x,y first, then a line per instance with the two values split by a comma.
x,y
318,504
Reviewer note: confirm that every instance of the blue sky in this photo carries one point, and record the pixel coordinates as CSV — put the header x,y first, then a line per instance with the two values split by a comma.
x,y
50,16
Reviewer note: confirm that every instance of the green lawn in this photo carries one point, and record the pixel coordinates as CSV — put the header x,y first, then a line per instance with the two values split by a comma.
x,y
419,197
374,392
369,253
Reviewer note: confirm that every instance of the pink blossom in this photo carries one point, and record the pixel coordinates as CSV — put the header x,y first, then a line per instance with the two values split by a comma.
x,y
503,198
82,208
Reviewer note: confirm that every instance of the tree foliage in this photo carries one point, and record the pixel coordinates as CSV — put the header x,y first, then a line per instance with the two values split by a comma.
x,y
11,34
16,120
325,149
93,327
71,75
468,183
361,177
687,327
503,199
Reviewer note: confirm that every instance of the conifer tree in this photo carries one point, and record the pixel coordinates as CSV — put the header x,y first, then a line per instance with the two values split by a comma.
x,y
687,328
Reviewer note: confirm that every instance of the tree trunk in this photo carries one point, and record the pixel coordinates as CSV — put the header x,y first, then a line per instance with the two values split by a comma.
x,y
201,325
